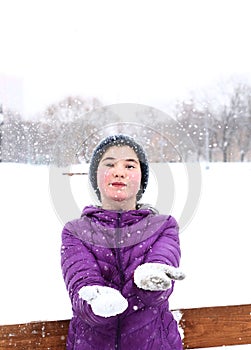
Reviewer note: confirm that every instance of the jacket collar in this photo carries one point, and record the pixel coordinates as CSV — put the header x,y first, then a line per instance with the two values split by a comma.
x,y
110,217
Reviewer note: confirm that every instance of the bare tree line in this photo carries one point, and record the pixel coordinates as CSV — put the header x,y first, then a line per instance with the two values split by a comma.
x,y
221,132
194,131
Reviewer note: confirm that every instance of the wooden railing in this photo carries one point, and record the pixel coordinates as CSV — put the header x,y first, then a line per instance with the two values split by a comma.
x,y
216,326
202,328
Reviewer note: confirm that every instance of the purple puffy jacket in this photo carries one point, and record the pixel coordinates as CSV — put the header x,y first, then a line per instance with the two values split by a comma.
x,y
104,248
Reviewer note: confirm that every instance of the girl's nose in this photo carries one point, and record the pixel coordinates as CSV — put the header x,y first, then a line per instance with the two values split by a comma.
x,y
119,171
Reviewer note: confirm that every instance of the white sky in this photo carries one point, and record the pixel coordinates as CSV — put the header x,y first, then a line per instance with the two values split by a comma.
x,y
119,51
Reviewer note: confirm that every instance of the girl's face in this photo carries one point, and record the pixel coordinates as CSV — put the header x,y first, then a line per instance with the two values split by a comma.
x,y
119,178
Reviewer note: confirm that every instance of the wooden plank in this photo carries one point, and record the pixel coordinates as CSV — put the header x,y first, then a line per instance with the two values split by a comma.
x,y
49,335
203,327
216,326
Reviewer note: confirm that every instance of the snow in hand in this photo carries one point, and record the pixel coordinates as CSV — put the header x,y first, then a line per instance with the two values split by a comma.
x,y
104,301
155,276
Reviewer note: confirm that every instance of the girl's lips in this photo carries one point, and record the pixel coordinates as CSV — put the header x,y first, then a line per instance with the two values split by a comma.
x,y
118,184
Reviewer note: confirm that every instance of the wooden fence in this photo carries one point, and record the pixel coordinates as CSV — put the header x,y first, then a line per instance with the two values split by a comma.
x,y
202,328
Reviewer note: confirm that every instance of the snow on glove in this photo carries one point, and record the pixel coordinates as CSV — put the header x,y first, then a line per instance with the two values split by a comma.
x,y
156,276
104,301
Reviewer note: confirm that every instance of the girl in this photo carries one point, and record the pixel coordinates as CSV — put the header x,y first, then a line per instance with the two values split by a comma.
x,y
119,260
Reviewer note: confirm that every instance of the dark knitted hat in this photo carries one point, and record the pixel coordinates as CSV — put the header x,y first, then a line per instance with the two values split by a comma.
x,y
118,140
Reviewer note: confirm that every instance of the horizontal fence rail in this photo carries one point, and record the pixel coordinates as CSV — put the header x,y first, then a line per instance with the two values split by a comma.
x,y
202,327
216,326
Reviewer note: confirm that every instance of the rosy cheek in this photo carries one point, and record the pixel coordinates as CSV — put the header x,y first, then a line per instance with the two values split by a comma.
x,y
107,176
135,177
103,176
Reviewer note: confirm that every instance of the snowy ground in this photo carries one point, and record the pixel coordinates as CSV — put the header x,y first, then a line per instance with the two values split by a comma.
x,y
215,245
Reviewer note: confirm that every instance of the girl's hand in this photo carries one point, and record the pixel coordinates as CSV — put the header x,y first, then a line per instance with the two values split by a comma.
x,y
156,276
104,301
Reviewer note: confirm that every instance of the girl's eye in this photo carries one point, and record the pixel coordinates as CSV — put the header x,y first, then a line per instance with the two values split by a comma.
x,y
130,166
109,165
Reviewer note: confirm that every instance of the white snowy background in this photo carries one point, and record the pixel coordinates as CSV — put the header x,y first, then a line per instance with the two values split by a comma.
x,y
144,51
215,245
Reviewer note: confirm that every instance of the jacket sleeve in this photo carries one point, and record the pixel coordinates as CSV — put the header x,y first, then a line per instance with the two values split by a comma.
x,y
165,249
79,268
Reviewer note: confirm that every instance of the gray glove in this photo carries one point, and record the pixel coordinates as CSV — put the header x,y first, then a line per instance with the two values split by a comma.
x,y
156,276
104,301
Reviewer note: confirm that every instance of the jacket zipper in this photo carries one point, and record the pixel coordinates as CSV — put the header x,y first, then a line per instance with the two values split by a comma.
x,y
121,274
